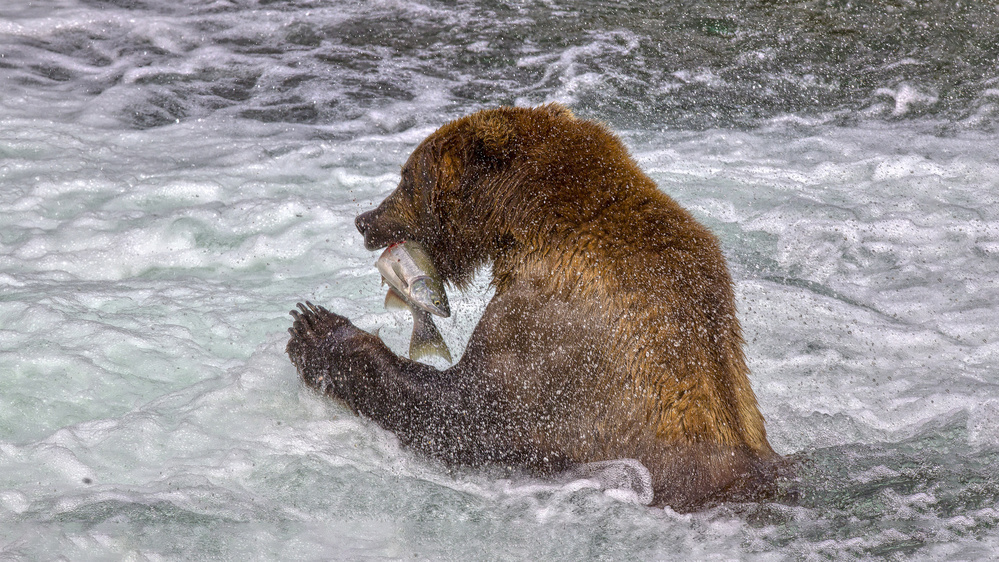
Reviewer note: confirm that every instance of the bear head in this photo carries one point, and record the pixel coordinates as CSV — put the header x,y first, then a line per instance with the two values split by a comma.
x,y
491,179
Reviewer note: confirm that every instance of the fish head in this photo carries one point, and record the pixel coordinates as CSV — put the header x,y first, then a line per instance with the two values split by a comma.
x,y
428,294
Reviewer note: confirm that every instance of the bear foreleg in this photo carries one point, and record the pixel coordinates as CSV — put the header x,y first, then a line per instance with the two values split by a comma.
x,y
439,413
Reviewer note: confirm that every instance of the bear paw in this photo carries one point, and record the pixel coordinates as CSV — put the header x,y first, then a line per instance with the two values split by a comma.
x,y
317,345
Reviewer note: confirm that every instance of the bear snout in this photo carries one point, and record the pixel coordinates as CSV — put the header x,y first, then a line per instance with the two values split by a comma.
x,y
363,221
378,230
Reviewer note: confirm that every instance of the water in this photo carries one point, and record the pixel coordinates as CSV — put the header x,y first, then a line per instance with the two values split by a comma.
x,y
174,176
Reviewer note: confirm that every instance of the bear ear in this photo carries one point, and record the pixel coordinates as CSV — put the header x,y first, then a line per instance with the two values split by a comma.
x,y
494,133
558,111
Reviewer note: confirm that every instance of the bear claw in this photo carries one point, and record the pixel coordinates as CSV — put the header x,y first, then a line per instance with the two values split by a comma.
x,y
313,321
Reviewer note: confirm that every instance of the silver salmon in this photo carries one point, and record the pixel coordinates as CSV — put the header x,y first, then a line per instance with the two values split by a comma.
x,y
414,284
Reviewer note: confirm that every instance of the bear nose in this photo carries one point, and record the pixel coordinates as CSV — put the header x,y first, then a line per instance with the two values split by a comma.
x,y
363,222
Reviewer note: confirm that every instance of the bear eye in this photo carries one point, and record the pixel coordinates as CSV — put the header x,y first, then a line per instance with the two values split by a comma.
x,y
407,184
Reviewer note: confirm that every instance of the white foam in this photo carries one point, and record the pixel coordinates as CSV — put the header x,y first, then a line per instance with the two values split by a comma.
x,y
144,328
907,98
147,409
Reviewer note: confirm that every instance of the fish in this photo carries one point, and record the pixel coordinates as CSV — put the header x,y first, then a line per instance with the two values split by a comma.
x,y
415,285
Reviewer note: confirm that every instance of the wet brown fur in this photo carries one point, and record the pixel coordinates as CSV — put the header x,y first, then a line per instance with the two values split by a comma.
x,y
612,333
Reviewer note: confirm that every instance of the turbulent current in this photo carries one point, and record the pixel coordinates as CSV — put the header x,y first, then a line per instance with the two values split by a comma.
x,y
176,174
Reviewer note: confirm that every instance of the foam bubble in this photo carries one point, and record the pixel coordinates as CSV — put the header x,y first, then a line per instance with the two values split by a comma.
x,y
907,99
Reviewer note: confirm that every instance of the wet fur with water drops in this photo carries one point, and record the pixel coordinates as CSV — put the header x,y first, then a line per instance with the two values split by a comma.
x,y
612,333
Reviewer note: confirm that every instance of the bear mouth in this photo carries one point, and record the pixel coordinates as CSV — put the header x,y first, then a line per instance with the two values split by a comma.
x,y
378,232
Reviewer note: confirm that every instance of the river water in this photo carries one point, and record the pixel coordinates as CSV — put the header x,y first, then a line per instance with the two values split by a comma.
x,y
176,174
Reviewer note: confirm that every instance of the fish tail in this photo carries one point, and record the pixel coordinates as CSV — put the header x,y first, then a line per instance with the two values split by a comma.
x,y
426,340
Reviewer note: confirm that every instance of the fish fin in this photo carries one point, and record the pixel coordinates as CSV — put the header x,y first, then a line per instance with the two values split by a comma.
x,y
394,302
400,274
426,340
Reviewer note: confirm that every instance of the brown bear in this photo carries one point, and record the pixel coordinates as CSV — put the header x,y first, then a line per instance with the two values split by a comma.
x,y
612,333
